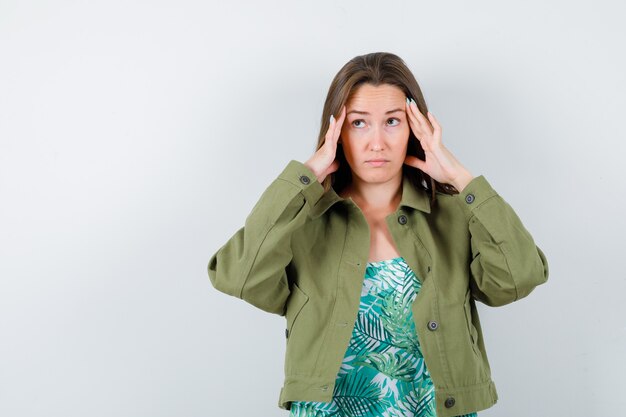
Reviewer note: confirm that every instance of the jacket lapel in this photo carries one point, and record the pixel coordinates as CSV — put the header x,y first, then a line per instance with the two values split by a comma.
x,y
412,196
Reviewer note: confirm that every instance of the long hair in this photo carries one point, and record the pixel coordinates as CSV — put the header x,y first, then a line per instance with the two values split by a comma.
x,y
375,68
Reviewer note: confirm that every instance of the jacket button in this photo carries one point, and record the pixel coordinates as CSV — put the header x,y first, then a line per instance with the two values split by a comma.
x,y
402,219
304,179
469,198
449,402
433,325
324,387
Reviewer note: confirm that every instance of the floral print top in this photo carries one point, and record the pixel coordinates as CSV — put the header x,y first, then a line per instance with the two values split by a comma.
x,y
383,372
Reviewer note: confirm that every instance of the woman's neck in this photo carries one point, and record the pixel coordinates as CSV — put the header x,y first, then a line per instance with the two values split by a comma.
x,y
375,196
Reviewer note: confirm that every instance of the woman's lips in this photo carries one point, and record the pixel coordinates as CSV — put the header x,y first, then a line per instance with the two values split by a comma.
x,y
376,162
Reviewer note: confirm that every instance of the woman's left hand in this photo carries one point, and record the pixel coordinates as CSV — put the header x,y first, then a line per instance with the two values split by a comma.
x,y
440,164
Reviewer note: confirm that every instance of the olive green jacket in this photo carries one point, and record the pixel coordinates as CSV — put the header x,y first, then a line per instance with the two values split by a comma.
x,y
302,254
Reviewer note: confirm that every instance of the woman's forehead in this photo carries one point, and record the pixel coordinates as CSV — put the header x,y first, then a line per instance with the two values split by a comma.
x,y
368,98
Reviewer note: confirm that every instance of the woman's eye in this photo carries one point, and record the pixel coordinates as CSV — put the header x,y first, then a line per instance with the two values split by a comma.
x,y
397,121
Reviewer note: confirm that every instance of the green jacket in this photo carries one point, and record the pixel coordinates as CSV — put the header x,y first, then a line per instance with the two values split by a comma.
x,y
302,254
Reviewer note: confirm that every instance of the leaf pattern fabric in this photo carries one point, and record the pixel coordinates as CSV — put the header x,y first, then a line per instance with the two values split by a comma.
x,y
383,373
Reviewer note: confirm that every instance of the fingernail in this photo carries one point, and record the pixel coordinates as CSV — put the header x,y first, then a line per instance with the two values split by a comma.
x,y
413,101
332,118
407,101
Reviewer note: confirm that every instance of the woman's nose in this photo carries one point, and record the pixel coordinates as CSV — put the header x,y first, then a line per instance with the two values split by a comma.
x,y
377,140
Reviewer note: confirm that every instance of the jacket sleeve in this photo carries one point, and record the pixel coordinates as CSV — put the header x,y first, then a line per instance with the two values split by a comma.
x,y
506,263
251,265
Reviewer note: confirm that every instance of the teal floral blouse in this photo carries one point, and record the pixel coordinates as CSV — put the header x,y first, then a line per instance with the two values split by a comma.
x,y
383,372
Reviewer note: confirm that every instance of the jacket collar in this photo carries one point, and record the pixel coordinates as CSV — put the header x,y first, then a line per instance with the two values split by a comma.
x,y
411,197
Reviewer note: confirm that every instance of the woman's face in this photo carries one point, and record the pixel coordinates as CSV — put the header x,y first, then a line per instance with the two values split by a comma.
x,y
375,128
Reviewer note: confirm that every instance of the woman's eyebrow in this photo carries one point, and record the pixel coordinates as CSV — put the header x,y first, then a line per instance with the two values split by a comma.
x,y
364,112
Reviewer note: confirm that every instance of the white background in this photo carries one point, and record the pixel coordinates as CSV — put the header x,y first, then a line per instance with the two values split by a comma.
x,y
135,137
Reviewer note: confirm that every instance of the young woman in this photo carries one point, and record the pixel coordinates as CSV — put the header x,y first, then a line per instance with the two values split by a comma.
x,y
375,251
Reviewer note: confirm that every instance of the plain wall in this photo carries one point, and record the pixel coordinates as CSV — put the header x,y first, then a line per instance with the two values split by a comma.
x,y
125,126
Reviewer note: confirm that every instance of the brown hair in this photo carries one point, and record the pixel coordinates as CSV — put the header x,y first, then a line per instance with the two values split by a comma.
x,y
375,68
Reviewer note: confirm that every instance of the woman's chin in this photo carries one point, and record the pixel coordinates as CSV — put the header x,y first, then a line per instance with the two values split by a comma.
x,y
380,174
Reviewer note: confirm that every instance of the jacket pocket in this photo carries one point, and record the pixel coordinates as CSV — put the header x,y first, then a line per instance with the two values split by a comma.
x,y
471,329
296,301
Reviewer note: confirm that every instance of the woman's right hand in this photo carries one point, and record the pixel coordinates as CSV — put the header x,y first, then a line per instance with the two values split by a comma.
x,y
324,161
